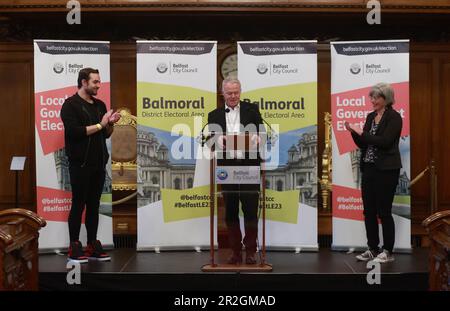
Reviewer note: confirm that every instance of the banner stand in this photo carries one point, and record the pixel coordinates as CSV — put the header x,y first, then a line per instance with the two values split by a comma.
x,y
356,67
56,67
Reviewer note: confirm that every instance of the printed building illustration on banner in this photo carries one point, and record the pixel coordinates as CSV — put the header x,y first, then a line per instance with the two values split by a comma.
x,y
62,61
356,67
62,172
156,170
280,77
175,91
299,172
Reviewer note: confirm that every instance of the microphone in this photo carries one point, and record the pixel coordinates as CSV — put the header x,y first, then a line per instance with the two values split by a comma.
x,y
227,110
201,138
273,136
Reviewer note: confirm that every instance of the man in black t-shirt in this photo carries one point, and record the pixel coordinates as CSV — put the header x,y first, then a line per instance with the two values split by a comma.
x,y
87,125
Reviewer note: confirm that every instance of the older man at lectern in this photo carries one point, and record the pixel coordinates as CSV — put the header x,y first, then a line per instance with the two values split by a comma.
x,y
232,119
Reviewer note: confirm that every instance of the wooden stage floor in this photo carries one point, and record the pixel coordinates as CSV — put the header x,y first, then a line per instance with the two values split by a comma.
x,y
181,271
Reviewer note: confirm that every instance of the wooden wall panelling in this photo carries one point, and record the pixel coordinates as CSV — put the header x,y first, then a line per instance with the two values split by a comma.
x,y
429,3
442,126
429,96
17,124
421,101
123,76
431,134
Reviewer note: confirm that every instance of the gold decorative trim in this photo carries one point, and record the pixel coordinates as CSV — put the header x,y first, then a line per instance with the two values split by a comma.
x,y
124,187
125,199
326,181
220,6
126,118
127,165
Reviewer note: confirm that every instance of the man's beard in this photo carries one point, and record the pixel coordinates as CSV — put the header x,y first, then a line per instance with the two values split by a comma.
x,y
91,92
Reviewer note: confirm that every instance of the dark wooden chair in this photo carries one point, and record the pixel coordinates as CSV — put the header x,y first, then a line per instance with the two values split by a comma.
x,y
438,228
124,177
124,152
19,234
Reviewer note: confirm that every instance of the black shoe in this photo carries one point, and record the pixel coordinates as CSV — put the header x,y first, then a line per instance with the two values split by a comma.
x,y
235,259
94,251
250,258
76,253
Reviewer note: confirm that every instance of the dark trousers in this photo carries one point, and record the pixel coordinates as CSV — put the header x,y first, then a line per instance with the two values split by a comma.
x,y
87,187
378,190
249,197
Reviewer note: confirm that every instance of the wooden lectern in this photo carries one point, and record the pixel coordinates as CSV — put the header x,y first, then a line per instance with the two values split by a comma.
x,y
240,153
19,249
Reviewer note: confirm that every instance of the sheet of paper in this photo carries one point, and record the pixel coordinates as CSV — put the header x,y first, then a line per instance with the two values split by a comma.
x,y
17,163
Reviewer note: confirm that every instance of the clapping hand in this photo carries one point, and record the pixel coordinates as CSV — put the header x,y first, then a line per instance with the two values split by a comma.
x,y
105,118
353,128
114,117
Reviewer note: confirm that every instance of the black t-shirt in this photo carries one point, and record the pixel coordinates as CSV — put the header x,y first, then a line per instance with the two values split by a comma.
x,y
95,155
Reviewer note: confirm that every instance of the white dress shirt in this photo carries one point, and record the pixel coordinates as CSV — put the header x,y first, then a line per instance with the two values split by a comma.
x,y
233,119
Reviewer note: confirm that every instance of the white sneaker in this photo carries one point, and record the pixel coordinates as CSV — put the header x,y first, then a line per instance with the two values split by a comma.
x,y
366,256
384,257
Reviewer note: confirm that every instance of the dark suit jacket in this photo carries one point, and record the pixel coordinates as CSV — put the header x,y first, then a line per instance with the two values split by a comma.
x,y
249,114
386,140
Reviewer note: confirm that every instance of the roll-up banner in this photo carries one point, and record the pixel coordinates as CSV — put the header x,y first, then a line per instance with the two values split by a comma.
x,y
56,67
176,88
280,77
356,67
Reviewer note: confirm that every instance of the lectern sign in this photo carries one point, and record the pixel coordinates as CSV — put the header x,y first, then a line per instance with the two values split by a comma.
x,y
238,175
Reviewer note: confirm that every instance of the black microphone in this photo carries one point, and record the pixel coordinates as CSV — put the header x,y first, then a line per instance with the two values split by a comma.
x,y
202,136
227,110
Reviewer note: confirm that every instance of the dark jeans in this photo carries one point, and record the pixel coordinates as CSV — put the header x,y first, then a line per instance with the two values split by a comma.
x,y
378,189
87,187
249,197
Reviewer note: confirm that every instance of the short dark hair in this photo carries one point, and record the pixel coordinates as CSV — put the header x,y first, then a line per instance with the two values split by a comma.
x,y
84,75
